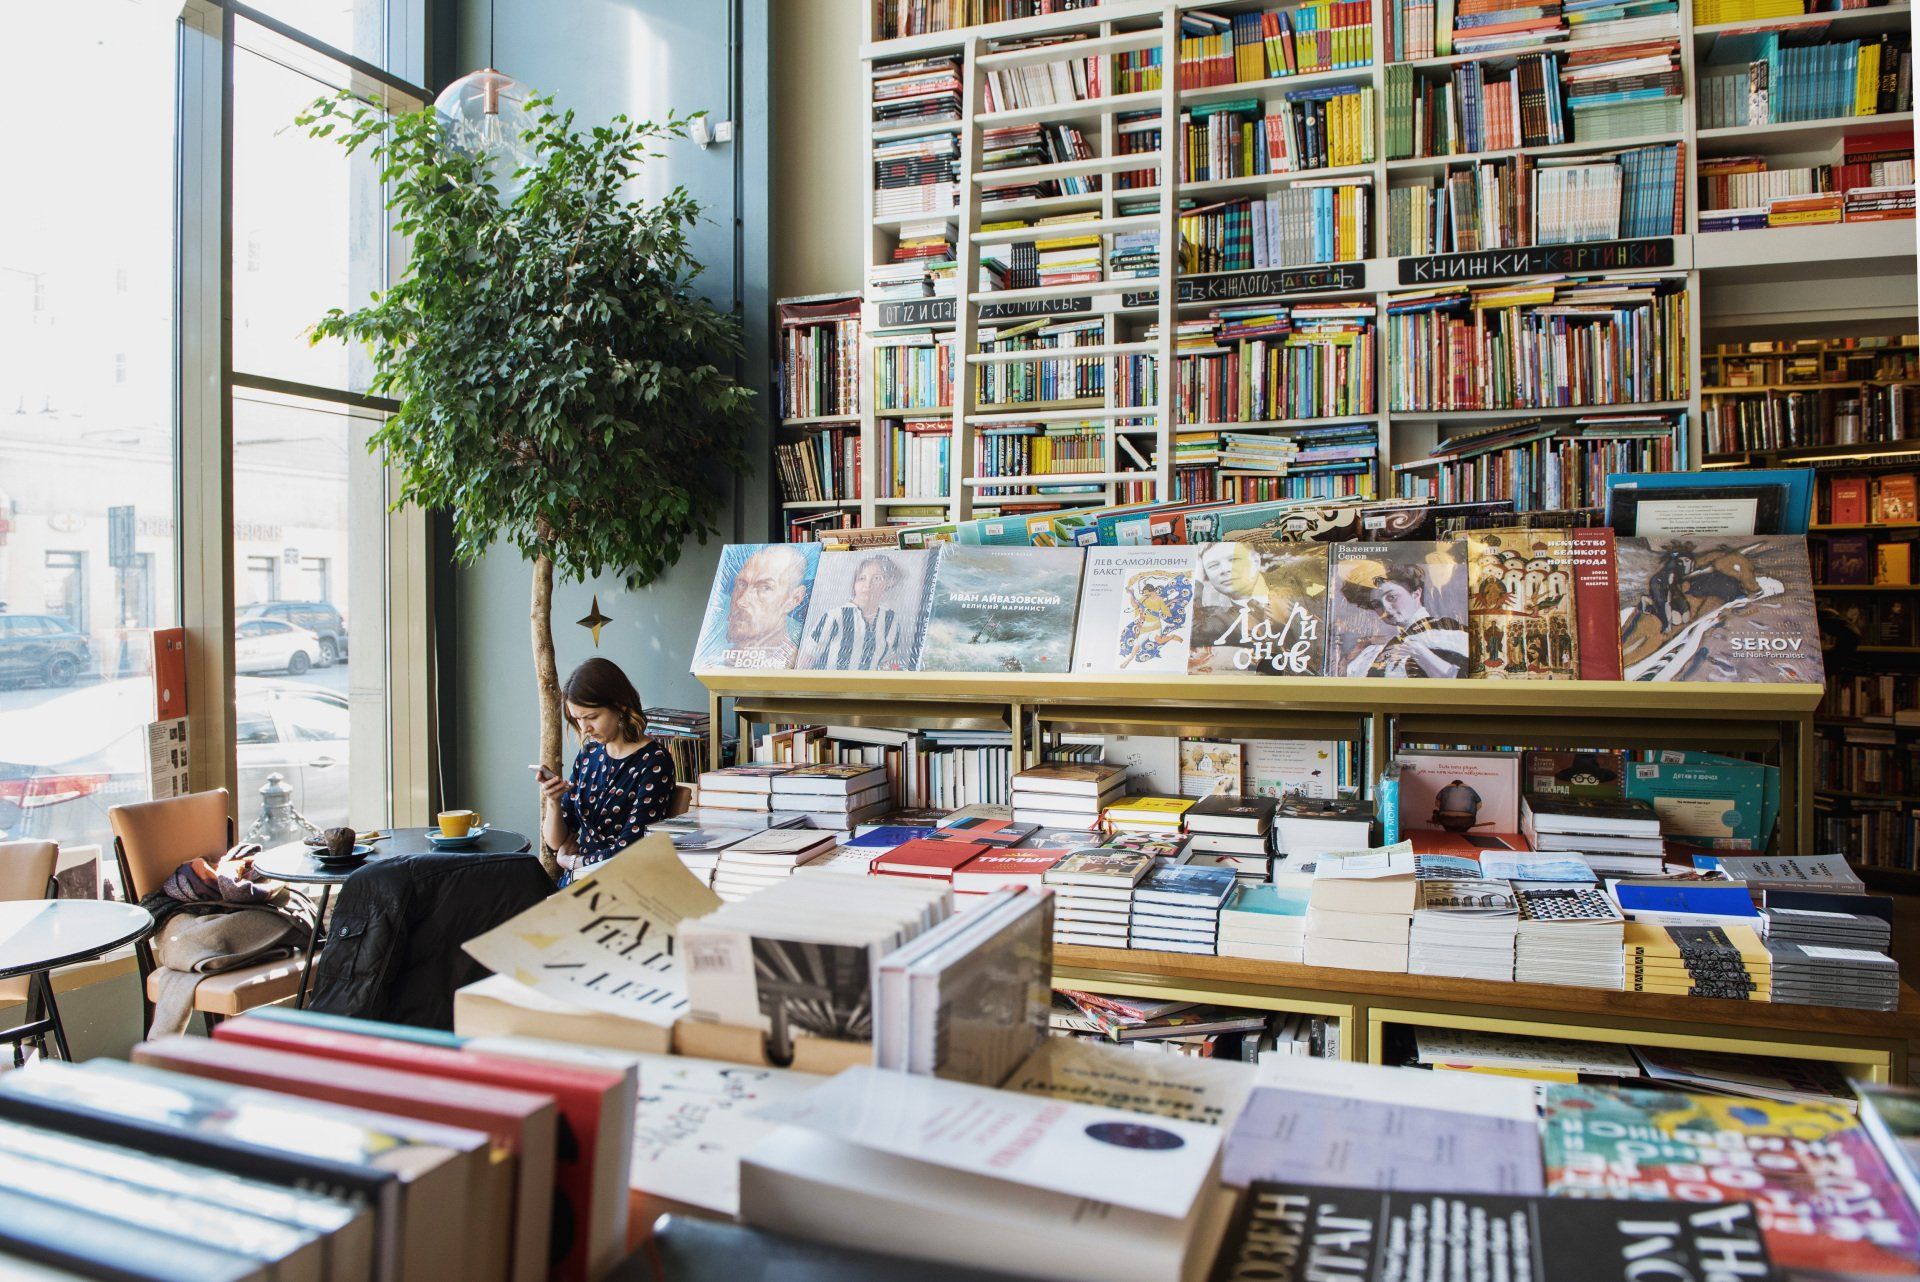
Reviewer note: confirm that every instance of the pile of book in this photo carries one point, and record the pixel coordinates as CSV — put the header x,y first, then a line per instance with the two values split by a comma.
x,y
832,796
1042,84
746,788
919,91
1147,815
1065,794
916,175
763,858
1267,922
1569,933
1021,147
1465,928
1730,963
1181,1027
1360,910
933,858
1232,832
1616,836
1624,91
1093,895
1316,825
1176,908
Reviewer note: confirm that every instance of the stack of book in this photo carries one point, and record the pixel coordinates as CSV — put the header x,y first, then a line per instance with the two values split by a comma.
x,y
919,91
1464,928
1570,933
917,175
1265,922
1065,794
1829,920
699,847
833,796
1730,963
1150,816
928,859
1093,893
1234,831
1617,835
994,869
1823,975
1688,904
764,858
748,787
1314,826
1360,911
1176,908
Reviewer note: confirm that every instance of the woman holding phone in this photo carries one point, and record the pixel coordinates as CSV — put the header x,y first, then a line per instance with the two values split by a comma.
x,y
622,781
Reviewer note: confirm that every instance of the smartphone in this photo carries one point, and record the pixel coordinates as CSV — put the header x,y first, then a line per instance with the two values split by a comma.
x,y
542,773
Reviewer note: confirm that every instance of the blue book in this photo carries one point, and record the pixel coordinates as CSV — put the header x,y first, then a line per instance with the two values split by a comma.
x,y
1790,516
360,1027
1674,904
1185,886
1268,900
887,836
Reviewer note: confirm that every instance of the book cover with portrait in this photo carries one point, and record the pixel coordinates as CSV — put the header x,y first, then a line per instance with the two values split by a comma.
x,y
1398,609
867,612
1718,608
1136,610
1260,608
1520,605
757,607
1001,610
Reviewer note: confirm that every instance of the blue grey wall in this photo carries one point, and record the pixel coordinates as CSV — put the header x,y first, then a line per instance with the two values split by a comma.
x,y
603,57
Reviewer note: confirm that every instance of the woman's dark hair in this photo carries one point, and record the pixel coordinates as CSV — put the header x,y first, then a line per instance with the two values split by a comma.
x,y
1366,593
599,683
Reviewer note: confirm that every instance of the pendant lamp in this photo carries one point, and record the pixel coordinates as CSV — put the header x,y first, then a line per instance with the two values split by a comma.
x,y
484,113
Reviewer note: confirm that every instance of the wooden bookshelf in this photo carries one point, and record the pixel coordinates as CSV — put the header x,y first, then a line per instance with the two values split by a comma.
x,y
1732,278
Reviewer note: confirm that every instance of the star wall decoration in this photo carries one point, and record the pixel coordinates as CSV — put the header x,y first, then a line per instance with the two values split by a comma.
x,y
595,621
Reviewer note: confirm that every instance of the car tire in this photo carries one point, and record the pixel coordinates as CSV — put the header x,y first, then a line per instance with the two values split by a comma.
x,y
61,670
298,663
329,653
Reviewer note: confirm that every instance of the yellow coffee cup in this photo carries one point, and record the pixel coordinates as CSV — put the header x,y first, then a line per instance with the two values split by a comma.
x,y
457,823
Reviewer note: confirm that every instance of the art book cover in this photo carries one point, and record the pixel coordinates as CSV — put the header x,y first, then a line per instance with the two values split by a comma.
x,y
1290,768
1596,603
1398,609
1849,558
1520,605
1827,1202
1718,609
867,611
758,606
1136,610
1460,792
1001,610
1209,768
1721,804
1260,607
1589,774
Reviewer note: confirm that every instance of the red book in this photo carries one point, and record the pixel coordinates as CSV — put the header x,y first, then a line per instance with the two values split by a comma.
x,y
925,857
1847,503
169,673
997,868
512,1222
1596,604
595,1141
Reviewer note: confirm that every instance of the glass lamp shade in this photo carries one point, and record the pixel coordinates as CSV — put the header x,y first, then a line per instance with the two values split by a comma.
x,y
484,113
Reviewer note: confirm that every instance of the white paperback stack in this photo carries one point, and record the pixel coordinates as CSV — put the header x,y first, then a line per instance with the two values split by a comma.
x,y
875,1160
748,787
1093,892
833,796
1314,826
968,1000
1360,909
1233,833
1065,794
757,861
1176,908
1570,933
1618,836
1267,922
699,848
1464,928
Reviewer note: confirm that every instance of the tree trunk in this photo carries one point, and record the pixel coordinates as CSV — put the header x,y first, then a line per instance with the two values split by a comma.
x,y
546,677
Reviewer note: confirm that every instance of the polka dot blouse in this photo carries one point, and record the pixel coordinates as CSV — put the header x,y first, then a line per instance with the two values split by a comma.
x,y
613,800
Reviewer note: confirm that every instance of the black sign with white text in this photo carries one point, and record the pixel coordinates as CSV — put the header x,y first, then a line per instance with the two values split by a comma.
x,y
1228,286
1538,260
941,311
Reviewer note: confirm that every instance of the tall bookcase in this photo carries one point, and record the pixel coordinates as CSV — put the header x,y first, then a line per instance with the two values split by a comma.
x,y
1732,278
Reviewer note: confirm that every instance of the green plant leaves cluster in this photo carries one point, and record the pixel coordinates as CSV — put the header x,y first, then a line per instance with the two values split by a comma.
x,y
560,385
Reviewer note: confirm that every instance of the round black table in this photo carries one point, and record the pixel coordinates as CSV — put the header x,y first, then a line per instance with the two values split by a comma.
x,y
37,935
299,863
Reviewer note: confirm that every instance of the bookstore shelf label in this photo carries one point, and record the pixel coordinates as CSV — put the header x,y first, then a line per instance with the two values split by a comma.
x,y
940,311
1537,260
1228,287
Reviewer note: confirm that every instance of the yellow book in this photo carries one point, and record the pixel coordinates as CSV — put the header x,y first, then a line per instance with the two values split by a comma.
x,y
1150,809
1654,944
1530,1074
1866,94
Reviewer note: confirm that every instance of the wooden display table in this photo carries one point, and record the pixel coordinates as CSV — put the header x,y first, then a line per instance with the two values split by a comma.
x,y
1868,1044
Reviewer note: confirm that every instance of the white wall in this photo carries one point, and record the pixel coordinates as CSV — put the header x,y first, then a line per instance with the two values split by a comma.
x,y
819,92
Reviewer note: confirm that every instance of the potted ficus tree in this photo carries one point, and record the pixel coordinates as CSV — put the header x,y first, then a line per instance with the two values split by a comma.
x,y
560,386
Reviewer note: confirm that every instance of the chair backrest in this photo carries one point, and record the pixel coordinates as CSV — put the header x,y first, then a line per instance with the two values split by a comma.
x,y
25,867
681,801
152,838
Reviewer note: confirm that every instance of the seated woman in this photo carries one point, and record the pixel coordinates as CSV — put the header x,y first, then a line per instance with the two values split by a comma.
x,y
622,781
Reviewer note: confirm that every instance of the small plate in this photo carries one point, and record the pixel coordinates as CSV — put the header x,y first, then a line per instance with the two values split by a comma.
x,y
355,856
438,841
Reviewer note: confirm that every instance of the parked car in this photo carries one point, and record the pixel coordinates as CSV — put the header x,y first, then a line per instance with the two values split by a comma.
x,y
42,647
270,645
317,617
60,771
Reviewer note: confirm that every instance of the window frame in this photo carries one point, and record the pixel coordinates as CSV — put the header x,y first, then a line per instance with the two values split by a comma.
x,y
205,387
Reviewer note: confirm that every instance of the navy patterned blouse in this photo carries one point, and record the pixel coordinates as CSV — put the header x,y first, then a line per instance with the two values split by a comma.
x,y
612,801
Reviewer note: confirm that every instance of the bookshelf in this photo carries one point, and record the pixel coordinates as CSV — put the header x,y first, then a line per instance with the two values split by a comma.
x,y
1721,276
819,433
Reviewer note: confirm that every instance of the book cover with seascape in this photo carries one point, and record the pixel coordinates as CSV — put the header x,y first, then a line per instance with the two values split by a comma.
x,y
1260,607
1136,610
867,611
757,607
1398,609
1718,609
1520,605
1001,610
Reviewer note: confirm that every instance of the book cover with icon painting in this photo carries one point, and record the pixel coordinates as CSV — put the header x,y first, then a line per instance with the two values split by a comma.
x,y
1001,610
1520,606
1136,610
757,607
1260,608
867,612
1728,609
1398,609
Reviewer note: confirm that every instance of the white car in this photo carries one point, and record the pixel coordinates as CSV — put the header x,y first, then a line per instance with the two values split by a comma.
x,y
269,645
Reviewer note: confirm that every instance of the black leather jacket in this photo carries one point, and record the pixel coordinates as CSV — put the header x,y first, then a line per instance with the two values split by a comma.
x,y
393,948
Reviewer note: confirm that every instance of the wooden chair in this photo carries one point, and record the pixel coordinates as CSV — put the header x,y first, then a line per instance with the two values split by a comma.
x,y
26,872
150,840
682,800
